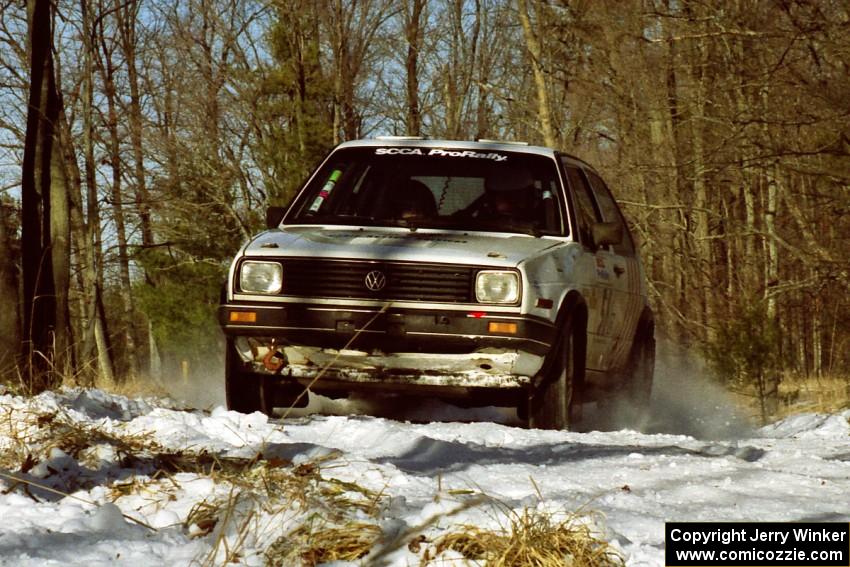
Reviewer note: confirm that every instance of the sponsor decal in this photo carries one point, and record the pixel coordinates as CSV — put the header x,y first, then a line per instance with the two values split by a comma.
x,y
602,269
326,191
606,318
399,152
439,152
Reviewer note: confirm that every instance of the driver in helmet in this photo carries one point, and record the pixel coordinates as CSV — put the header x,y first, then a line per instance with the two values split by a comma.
x,y
413,201
508,195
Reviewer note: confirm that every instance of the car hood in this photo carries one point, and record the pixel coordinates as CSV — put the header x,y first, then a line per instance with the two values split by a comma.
x,y
398,244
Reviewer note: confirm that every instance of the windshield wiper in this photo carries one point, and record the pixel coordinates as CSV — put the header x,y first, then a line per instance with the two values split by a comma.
x,y
498,227
337,218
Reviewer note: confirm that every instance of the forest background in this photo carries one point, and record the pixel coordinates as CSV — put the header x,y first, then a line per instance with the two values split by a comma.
x,y
141,140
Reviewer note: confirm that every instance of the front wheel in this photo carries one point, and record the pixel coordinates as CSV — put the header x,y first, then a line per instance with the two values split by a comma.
x,y
556,404
245,392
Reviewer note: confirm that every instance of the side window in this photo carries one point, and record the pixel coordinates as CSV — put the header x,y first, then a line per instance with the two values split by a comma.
x,y
586,212
611,213
549,200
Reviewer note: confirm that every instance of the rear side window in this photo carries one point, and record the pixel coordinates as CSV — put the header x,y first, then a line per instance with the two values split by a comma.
x,y
611,213
586,212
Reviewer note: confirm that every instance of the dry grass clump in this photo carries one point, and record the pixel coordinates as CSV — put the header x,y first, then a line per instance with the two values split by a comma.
x,y
269,492
203,518
335,528
825,394
28,432
134,387
533,538
350,497
313,544
799,394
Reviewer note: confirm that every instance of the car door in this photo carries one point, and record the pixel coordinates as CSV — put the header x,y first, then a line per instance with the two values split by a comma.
x,y
597,284
624,273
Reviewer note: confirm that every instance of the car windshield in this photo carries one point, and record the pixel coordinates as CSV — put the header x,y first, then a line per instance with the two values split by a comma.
x,y
416,187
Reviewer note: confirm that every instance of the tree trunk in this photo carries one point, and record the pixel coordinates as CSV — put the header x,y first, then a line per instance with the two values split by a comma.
x,y
93,355
10,330
60,253
532,44
39,297
704,261
107,69
413,35
127,15
671,263
345,119
95,344
771,275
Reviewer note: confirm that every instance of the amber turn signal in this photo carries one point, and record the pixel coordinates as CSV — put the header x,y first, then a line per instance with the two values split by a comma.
x,y
243,317
496,327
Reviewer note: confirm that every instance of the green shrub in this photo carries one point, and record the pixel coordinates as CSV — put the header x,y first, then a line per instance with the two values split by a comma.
x,y
745,355
180,300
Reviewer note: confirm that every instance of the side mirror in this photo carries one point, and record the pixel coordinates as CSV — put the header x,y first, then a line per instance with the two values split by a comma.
x,y
274,215
607,233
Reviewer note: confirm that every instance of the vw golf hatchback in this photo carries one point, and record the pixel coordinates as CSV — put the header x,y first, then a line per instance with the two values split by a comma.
x,y
484,273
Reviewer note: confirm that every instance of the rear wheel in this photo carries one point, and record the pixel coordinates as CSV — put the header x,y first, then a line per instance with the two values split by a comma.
x,y
556,403
631,403
641,372
643,364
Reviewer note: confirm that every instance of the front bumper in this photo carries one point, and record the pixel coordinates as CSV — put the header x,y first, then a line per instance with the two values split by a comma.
x,y
394,330
341,349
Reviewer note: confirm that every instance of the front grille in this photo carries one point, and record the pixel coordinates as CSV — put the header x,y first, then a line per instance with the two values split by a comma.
x,y
405,282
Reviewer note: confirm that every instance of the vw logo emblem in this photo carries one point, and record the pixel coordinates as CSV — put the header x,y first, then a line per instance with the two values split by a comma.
x,y
376,280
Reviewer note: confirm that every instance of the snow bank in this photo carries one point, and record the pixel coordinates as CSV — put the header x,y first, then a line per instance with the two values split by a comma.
x,y
811,426
91,478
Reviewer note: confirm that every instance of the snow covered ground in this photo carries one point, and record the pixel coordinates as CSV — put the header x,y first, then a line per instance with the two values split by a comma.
x,y
88,478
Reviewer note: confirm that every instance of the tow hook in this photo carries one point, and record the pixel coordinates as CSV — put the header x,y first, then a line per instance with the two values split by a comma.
x,y
274,360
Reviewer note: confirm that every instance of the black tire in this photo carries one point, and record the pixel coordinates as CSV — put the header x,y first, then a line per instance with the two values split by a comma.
x,y
642,372
557,402
245,392
642,366
632,401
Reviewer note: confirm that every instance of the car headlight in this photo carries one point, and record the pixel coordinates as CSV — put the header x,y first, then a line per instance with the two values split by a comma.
x,y
497,287
261,277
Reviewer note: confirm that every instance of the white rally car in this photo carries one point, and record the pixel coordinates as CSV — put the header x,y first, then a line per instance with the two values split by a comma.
x,y
487,273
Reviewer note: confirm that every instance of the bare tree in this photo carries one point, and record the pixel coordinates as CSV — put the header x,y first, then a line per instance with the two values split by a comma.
x,y
535,50
10,329
95,356
126,14
413,31
43,217
108,69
